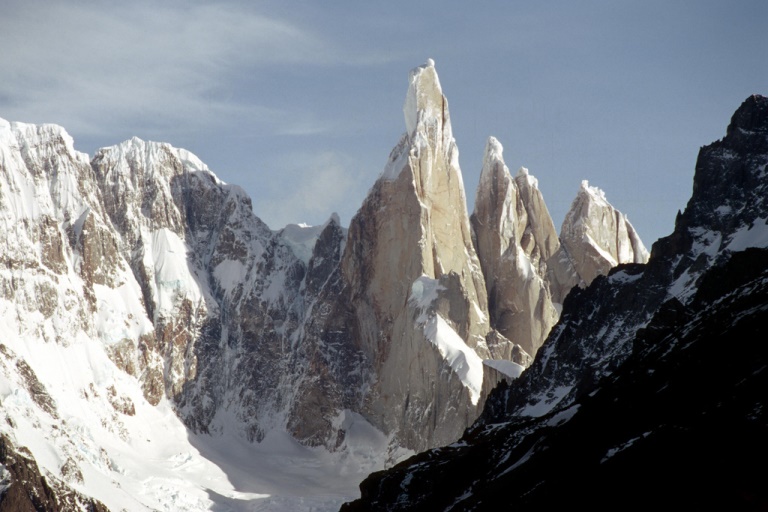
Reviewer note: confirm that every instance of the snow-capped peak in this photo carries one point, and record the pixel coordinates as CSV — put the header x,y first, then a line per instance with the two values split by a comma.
x,y
36,135
523,174
493,163
594,193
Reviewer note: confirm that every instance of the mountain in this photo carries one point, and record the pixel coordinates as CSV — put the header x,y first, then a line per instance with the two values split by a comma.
x,y
651,388
529,269
162,348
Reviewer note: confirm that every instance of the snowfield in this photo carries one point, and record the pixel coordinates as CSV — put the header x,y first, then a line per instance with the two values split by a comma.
x,y
149,460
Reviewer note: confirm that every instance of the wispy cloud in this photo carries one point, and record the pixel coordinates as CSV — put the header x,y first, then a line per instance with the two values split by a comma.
x,y
310,187
173,64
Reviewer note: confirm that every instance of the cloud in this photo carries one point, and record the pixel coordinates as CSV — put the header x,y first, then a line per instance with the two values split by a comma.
x,y
171,65
311,187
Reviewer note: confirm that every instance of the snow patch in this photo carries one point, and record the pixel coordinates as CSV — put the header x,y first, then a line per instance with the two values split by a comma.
x,y
463,360
229,274
545,403
424,293
613,451
745,237
120,314
523,174
563,416
508,368
398,158
172,273
301,238
621,277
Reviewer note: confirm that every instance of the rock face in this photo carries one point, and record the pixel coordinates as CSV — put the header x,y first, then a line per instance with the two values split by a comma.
x,y
515,238
414,279
634,397
24,487
529,270
594,238
408,300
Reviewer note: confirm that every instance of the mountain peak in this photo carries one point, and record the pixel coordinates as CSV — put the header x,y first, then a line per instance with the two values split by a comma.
x,y
592,193
751,116
425,101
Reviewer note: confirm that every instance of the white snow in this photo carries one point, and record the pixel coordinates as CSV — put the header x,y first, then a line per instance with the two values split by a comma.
x,y
623,277
523,173
5,479
150,461
120,314
457,354
229,274
397,160
424,292
543,404
755,235
301,238
595,193
508,368
463,360
147,461
706,242
172,273
563,416
613,451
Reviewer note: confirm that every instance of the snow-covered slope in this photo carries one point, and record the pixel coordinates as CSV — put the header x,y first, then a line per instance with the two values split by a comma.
x,y
138,290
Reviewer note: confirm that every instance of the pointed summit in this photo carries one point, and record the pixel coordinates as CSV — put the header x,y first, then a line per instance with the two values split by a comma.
x,y
414,228
594,238
425,102
514,237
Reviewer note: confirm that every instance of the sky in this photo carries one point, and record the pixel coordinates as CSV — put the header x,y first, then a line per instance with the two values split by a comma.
x,y
300,102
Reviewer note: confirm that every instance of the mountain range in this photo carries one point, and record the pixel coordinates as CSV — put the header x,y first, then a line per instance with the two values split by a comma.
x,y
161,348
650,392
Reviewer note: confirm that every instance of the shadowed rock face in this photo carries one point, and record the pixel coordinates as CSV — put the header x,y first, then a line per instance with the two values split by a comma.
x,y
25,487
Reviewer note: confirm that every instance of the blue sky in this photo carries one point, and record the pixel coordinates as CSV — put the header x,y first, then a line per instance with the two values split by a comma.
x,y
300,102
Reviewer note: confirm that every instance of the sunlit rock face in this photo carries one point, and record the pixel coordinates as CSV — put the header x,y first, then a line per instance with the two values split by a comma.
x,y
594,238
515,237
136,284
528,269
415,289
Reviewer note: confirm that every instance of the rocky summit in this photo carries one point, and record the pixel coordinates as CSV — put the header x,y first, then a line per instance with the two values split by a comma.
x,y
152,324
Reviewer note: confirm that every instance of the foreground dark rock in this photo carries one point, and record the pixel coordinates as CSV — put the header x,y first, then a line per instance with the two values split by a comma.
x,y
23,487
